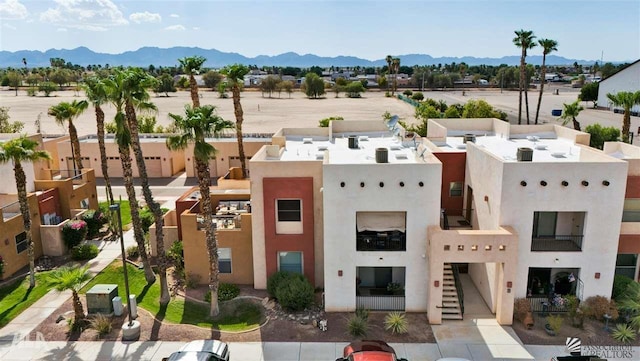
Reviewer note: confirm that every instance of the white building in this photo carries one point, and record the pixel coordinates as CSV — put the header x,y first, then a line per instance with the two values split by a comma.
x,y
626,80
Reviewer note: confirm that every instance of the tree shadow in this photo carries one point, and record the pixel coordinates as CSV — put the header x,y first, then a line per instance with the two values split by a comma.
x,y
144,291
157,323
6,312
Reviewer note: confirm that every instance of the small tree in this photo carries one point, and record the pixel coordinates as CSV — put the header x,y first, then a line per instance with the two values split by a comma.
x,y
71,278
211,79
570,114
600,135
5,125
589,93
165,84
222,90
47,88
354,89
313,86
15,79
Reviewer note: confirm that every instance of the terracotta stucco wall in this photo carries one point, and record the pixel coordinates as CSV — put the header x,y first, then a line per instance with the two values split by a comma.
x,y
49,202
453,167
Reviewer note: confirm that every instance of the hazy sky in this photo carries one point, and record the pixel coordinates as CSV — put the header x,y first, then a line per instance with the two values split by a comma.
x,y
366,28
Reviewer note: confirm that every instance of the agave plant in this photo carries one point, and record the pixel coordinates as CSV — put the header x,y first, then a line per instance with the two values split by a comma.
x,y
396,323
623,333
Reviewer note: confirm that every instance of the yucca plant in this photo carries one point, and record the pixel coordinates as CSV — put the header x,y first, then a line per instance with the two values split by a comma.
x,y
363,313
623,333
357,326
102,324
396,323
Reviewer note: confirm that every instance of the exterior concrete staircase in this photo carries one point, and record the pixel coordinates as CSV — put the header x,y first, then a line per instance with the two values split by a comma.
x,y
451,308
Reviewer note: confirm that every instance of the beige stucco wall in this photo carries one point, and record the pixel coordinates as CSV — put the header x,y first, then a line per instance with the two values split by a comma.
x,y
226,148
13,261
73,191
169,231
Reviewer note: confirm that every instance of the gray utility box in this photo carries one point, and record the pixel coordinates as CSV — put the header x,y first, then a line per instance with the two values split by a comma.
x,y
99,299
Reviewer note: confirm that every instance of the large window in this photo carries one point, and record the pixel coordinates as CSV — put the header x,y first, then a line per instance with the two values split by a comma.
x,y
224,260
381,231
290,262
631,212
455,189
544,224
289,210
21,242
626,265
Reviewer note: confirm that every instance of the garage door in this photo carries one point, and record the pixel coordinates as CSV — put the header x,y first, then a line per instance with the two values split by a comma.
x,y
115,167
86,163
154,166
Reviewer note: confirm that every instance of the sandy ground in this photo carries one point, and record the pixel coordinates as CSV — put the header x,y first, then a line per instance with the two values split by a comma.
x,y
265,115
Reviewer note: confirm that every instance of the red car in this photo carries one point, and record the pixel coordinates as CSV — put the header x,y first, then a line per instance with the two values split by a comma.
x,y
369,350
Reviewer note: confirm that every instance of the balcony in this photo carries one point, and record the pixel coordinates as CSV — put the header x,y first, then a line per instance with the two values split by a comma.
x,y
381,241
566,243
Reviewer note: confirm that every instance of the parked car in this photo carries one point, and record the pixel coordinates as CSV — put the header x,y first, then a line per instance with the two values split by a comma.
x,y
369,350
201,350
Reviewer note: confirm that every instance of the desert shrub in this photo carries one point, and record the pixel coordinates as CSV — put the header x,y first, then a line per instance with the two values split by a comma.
x,y
520,308
452,112
277,278
407,92
110,127
146,218
623,333
295,294
597,306
555,322
176,255
417,96
324,123
84,252
133,252
396,323
357,327
620,284
228,291
95,220
101,323
74,232
363,313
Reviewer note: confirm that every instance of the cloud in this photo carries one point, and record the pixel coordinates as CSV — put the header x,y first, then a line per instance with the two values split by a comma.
x,y
145,17
174,16
61,30
9,26
13,9
175,28
92,15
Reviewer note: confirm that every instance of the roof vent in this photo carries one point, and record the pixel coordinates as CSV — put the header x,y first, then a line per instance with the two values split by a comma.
x,y
323,147
307,140
401,156
469,138
382,155
353,142
525,154
273,151
363,138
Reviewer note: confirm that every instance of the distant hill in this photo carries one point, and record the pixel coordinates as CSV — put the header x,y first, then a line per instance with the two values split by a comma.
x,y
215,58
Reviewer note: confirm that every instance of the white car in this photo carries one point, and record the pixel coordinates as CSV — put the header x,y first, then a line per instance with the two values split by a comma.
x,y
201,350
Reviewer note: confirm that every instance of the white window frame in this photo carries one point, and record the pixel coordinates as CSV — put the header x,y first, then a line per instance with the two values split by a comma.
x,y
289,227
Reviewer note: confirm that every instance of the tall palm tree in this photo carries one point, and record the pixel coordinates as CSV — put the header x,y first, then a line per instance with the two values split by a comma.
x,y
136,97
524,40
117,93
197,125
570,113
65,113
235,77
548,46
395,63
191,65
626,100
20,150
389,60
96,92
71,278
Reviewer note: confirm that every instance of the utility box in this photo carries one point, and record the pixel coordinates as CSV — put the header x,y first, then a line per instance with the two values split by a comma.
x,y
99,299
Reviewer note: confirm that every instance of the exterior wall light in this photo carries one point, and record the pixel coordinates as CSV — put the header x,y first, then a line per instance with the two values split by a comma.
x,y
585,183
421,184
381,184
401,184
362,184
342,184
523,183
565,183
543,183
605,183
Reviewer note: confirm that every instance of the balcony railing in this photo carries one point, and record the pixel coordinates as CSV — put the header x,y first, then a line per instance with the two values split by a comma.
x,y
567,243
390,241
381,303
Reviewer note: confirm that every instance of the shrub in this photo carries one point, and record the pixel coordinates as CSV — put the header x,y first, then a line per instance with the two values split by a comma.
x,y
452,112
620,284
192,281
357,326
95,220
277,278
295,294
176,255
363,313
396,323
597,306
555,322
520,309
228,291
102,324
146,218
74,232
417,96
324,123
84,252
132,252
407,92
623,333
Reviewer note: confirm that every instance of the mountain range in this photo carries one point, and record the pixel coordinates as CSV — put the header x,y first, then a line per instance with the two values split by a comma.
x,y
168,57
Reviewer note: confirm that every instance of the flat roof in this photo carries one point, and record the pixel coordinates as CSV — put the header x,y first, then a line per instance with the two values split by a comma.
x,y
163,139
544,150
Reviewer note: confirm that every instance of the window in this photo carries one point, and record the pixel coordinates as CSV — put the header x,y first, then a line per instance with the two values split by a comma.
x,y
544,224
21,242
290,262
224,260
455,189
289,210
626,265
631,212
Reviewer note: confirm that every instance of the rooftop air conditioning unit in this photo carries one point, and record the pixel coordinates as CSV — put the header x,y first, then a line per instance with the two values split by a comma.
x,y
469,138
353,142
525,154
382,155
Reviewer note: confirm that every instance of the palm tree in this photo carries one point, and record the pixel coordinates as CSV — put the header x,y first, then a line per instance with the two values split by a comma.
x,y
71,278
548,46
191,65
570,113
524,40
389,60
65,113
20,150
235,77
136,97
197,125
117,93
630,301
395,63
96,92
626,100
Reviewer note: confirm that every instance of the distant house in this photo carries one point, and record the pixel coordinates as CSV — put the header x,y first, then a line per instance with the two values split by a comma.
x,y
627,80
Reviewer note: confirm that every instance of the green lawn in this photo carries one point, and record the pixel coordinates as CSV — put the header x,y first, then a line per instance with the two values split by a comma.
x,y
16,297
125,211
233,317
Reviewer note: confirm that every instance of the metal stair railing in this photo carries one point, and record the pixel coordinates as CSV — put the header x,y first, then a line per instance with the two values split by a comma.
x,y
460,293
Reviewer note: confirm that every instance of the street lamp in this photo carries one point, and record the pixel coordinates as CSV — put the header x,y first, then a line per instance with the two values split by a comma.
x,y
130,330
